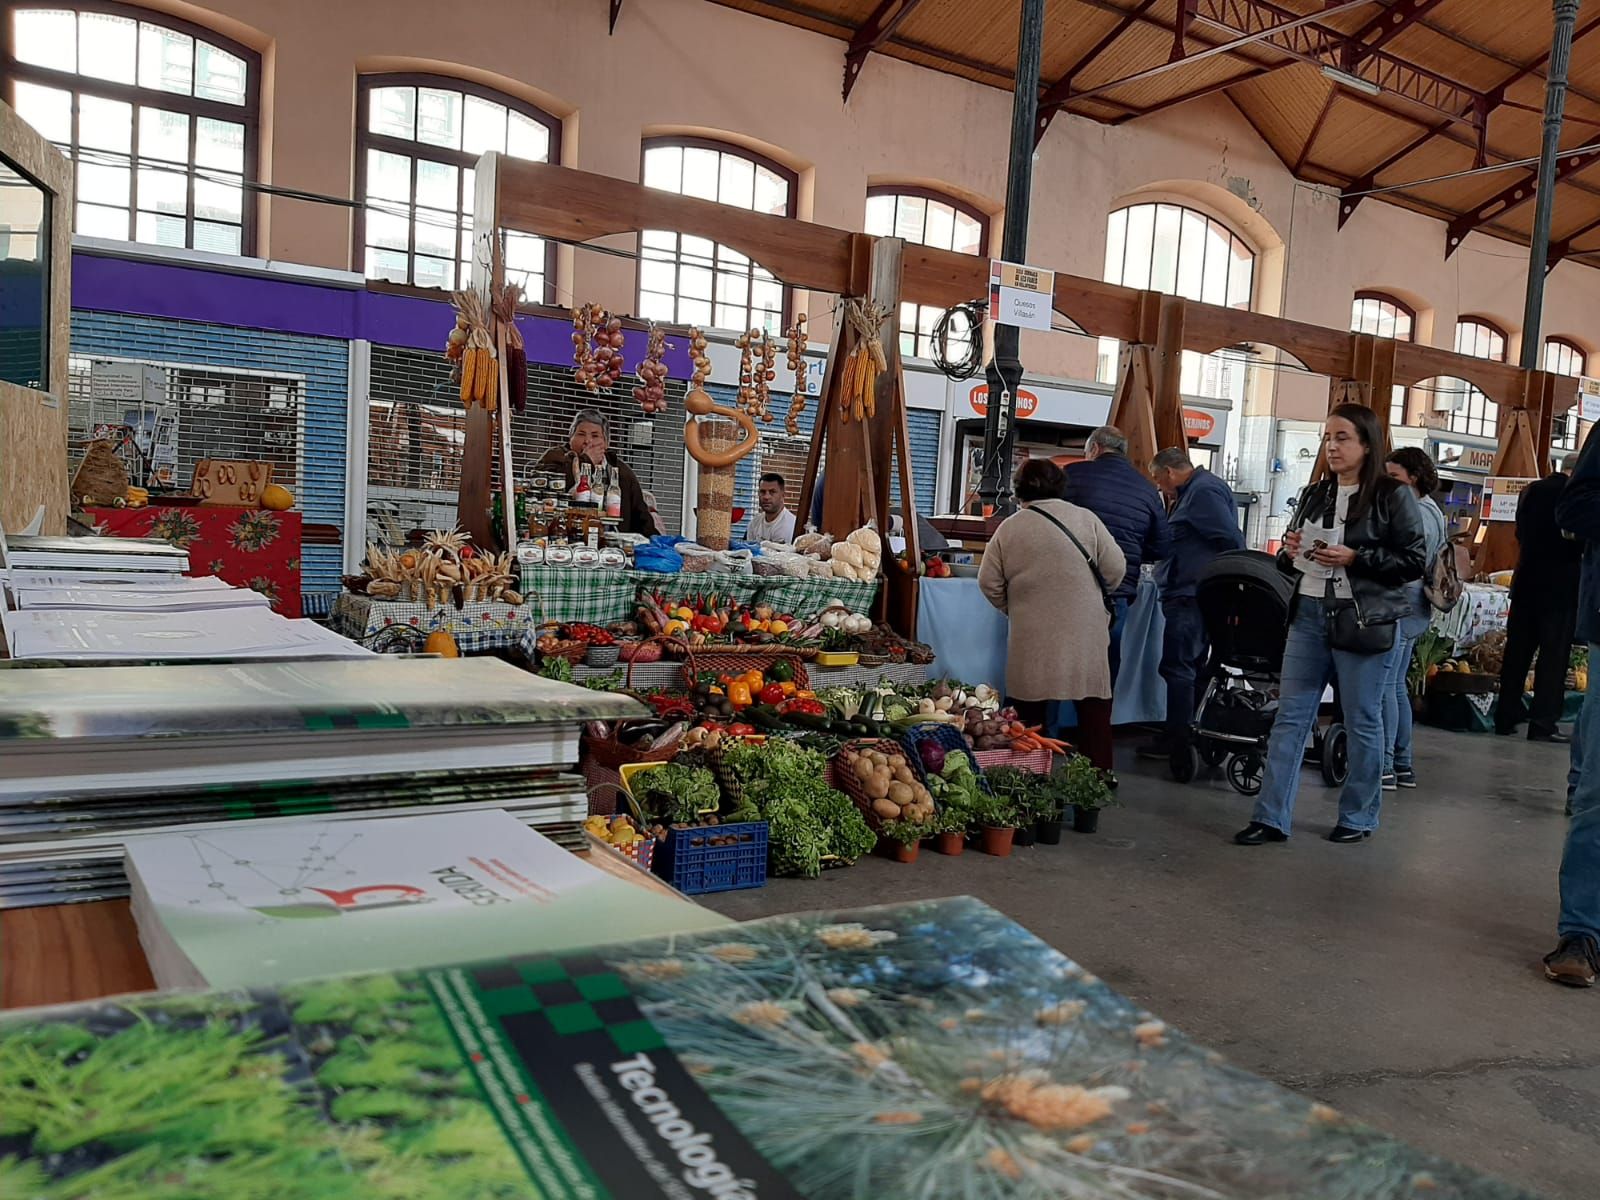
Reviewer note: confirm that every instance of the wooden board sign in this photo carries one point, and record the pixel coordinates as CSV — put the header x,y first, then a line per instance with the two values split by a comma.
x,y
222,481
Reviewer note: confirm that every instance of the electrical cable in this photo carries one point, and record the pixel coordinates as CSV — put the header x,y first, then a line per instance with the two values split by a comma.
x,y
971,340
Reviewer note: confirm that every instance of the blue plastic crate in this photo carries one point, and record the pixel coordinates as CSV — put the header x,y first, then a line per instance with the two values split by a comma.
x,y
948,738
692,865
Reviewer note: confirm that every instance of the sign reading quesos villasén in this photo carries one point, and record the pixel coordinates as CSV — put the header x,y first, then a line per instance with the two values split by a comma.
x,y
1020,295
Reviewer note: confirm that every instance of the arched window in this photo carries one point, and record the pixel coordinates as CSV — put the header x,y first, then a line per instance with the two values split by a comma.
x,y
1562,357
1177,250
693,280
1384,316
159,116
418,139
1474,412
928,219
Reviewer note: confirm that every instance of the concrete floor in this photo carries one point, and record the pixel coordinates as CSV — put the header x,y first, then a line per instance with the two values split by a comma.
x,y
1396,979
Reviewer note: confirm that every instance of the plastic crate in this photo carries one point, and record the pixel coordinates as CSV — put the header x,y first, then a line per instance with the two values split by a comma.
x,y
692,865
947,737
1037,761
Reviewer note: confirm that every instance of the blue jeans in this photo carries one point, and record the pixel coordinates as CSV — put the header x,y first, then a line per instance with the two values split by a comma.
x,y
1114,647
1183,656
1308,664
1580,861
1575,770
1396,700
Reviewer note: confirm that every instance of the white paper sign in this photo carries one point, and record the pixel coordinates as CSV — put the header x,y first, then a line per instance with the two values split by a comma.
x,y
1588,398
1501,494
1020,295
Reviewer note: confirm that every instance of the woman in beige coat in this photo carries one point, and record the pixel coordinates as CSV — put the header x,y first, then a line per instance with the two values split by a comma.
x,y
1032,572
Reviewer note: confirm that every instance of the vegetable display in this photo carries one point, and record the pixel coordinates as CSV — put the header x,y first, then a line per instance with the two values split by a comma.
x,y
676,794
807,820
890,786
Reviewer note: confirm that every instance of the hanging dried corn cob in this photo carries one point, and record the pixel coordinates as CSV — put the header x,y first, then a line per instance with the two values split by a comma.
x,y
858,390
516,364
797,364
476,349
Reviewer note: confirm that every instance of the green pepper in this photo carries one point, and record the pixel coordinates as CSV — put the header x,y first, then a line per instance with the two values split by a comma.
x,y
782,671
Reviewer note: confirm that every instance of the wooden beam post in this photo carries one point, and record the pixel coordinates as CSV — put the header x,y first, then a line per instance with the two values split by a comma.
x,y
478,439
1518,458
1166,398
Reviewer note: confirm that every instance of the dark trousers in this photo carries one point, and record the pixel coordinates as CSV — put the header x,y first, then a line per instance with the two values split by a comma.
x,y
1183,658
1094,725
1119,619
1542,621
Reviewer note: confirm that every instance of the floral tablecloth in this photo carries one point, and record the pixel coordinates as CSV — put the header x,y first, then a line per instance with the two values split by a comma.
x,y
247,547
1482,609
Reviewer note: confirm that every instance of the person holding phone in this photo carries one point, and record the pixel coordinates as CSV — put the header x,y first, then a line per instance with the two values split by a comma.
x,y
1355,542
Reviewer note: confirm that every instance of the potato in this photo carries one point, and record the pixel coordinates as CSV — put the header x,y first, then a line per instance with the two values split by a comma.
x,y
881,781
901,794
863,770
886,809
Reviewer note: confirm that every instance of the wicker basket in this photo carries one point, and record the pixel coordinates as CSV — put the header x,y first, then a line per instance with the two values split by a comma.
x,y
844,779
602,656
697,663
1038,762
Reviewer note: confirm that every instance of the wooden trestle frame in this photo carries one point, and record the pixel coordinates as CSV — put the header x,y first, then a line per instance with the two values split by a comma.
x,y
576,206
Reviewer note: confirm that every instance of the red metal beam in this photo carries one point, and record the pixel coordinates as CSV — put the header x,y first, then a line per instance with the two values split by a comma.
x,y
1490,101
1316,128
1513,195
1561,249
874,32
1058,92
1384,27
1210,89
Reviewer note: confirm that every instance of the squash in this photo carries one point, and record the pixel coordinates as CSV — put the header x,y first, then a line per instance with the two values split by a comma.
x,y
276,497
441,643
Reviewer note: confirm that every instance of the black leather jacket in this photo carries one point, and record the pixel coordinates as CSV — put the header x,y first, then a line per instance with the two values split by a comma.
x,y
1391,550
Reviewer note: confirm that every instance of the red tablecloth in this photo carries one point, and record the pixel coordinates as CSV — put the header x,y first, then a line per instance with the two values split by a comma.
x,y
247,547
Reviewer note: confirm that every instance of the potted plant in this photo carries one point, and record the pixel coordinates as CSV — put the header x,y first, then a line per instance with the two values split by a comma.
x,y
949,831
1049,808
1084,786
899,840
996,819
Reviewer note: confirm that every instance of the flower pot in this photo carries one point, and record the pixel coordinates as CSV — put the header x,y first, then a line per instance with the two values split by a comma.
x,y
1049,831
997,841
1085,820
950,843
1025,835
901,852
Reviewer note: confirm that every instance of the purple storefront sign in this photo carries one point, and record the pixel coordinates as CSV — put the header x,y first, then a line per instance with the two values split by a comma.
x,y
191,293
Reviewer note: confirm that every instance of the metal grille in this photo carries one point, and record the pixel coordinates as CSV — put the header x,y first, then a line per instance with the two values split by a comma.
x,y
416,434
186,413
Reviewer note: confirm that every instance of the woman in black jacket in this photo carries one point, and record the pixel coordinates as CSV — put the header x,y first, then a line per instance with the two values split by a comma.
x,y
1355,542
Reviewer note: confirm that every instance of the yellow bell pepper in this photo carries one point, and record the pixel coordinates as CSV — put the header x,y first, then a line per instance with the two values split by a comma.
x,y
788,688
673,627
683,613
805,694
754,679
777,627
739,694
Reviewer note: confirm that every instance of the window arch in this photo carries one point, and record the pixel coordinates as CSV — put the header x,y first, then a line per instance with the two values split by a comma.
x,y
418,138
693,280
1473,412
1183,252
927,218
159,116
1564,357
1383,315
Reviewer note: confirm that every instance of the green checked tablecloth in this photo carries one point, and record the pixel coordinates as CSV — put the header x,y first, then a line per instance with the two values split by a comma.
x,y
400,625
601,595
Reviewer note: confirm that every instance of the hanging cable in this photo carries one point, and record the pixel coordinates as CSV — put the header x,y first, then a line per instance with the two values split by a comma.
x,y
968,339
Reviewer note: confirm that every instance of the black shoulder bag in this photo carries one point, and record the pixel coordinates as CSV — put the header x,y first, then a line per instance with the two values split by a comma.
x,y
1094,567
1346,630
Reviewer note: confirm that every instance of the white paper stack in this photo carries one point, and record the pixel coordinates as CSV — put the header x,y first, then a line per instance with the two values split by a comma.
x,y
95,554
93,598
265,905
251,632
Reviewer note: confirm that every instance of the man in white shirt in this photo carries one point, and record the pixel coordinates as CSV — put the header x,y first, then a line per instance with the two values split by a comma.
x,y
774,523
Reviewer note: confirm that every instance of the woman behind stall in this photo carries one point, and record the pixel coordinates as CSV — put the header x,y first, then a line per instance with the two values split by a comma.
x,y
1046,568
1355,542
1412,467
589,442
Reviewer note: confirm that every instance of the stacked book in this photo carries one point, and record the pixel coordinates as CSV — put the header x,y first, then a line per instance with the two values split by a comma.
x,y
91,759
932,1049
141,556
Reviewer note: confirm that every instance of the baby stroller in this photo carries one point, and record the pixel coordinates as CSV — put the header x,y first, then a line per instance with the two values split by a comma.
x,y
1244,602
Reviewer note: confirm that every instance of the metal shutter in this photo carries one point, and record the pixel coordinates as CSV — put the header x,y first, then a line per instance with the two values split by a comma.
x,y
415,437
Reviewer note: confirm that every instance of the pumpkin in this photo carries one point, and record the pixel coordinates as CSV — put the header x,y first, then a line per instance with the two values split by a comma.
x,y
441,643
276,497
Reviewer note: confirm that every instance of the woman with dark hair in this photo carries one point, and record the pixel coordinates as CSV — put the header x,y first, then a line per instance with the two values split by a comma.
x,y
1354,543
1412,467
1049,567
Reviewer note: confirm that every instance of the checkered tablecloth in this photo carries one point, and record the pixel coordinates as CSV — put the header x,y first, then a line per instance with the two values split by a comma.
x,y
601,595
476,627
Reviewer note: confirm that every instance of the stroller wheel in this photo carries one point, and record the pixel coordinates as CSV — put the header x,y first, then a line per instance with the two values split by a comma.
x,y
1245,772
1335,755
1184,763
1212,755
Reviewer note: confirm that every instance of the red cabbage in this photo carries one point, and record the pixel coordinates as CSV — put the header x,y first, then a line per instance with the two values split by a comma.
x,y
932,755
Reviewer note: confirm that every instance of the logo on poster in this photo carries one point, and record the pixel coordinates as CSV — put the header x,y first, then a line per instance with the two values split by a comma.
x,y
1027,402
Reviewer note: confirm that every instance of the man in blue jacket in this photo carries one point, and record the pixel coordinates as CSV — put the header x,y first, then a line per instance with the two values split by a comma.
x,y
1204,521
1128,505
1576,958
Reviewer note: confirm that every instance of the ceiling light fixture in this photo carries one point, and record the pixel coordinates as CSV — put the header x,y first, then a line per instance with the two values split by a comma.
x,y
1353,82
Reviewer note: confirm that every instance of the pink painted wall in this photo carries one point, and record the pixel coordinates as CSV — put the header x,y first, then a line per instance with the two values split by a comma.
x,y
677,65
